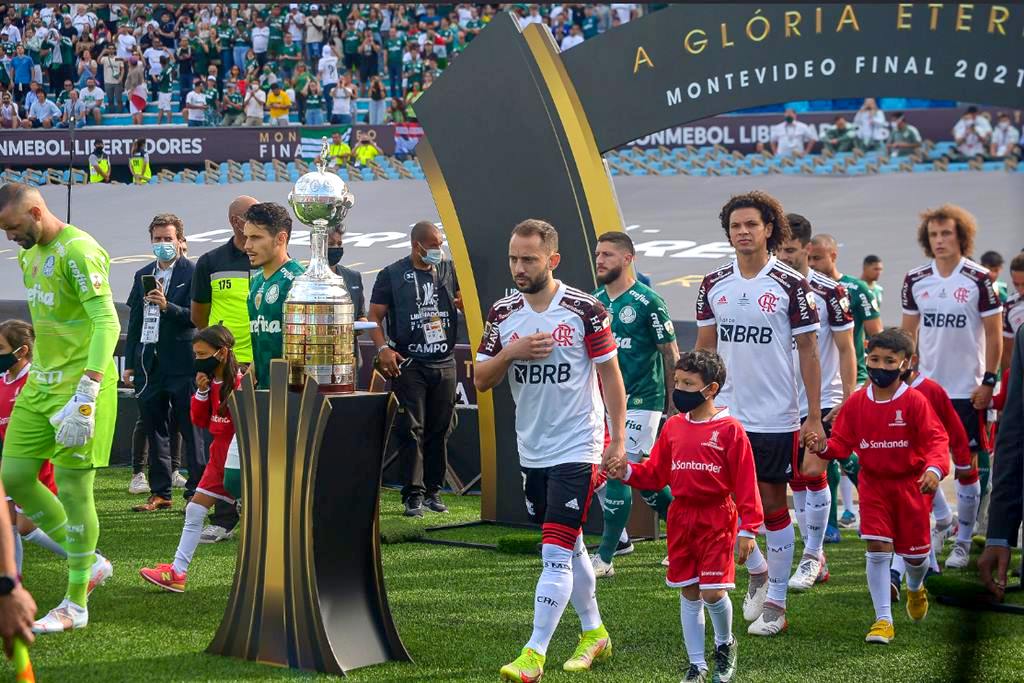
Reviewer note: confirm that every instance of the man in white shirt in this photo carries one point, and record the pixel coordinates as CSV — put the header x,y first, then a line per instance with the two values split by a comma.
x,y
315,23
1005,138
624,11
195,104
296,23
260,39
574,38
125,42
533,17
153,55
92,98
792,137
83,20
255,98
10,33
972,133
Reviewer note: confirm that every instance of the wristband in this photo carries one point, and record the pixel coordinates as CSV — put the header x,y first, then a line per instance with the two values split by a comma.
x,y
990,379
382,347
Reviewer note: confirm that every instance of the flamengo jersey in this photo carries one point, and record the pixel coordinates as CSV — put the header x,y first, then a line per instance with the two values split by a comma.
x,y
640,322
704,463
951,339
833,305
756,321
1013,315
559,409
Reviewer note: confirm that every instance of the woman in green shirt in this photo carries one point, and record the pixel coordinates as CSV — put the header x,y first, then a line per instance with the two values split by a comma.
x,y
414,93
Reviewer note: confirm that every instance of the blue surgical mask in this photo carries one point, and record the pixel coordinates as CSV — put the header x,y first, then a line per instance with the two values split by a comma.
x,y
165,251
433,256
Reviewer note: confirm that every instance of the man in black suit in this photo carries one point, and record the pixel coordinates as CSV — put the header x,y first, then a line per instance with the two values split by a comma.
x,y
1006,503
353,279
158,357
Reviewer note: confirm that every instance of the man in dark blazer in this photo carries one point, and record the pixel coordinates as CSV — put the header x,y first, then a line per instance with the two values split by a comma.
x,y
158,357
353,280
1006,503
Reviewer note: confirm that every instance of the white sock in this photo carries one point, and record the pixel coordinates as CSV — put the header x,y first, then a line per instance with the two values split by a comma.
x,y
721,619
692,615
756,563
933,561
190,533
800,508
19,550
815,519
624,537
554,589
916,574
878,584
780,563
584,587
940,508
846,491
38,537
898,565
967,500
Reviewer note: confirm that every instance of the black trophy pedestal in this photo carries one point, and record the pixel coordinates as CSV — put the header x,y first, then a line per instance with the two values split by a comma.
x,y
309,590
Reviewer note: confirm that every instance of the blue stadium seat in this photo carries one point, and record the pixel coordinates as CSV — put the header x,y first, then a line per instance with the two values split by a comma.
x,y
959,166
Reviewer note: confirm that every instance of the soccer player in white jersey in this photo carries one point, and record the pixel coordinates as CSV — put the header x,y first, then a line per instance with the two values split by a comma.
x,y
751,311
553,342
811,495
950,305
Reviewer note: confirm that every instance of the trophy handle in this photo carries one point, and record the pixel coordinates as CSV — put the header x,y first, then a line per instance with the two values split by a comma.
x,y
321,161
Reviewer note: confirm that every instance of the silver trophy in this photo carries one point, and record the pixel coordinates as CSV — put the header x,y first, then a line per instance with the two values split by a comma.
x,y
319,337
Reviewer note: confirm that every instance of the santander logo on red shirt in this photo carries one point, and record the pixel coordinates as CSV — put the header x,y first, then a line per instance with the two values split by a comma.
x,y
898,443
680,465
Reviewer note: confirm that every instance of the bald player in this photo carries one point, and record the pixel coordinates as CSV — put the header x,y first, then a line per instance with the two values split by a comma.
x,y
67,410
822,254
220,294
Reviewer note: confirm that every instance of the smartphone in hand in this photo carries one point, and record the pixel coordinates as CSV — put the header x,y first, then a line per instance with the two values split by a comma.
x,y
149,283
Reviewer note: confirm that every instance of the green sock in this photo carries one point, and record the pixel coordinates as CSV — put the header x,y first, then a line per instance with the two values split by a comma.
x,y
616,505
984,469
658,500
233,482
21,481
83,528
851,467
833,473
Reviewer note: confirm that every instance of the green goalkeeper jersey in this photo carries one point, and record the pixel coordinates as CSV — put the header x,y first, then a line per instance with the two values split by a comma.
x,y
640,322
864,307
59,278
266,315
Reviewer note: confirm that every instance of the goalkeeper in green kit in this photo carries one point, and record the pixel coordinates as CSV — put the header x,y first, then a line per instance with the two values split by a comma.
x,y
67,410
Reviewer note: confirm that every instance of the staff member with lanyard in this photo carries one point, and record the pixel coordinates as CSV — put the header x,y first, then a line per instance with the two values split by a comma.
x,y
220,293
419,295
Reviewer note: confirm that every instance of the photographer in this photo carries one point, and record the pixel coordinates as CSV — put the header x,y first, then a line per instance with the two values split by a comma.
x,y
971,133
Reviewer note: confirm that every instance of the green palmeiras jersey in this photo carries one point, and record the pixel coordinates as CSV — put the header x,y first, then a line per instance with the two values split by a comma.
x,y
59,278
864,307
640,322
266,315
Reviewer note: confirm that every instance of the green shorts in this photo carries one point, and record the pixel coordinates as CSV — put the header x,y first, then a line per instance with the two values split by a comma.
x,y
30,434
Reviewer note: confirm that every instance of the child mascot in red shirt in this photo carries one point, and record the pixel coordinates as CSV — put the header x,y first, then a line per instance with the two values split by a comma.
x,y
904,453
704,456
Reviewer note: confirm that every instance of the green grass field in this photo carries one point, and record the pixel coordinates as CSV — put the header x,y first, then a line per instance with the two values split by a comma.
x,y
462,613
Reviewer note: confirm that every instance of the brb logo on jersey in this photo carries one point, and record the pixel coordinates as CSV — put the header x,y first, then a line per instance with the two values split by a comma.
x,y
768,301
750,334
541,373
957,320
562,334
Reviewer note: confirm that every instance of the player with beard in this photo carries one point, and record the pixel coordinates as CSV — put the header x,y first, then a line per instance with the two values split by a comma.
x,y
811,496
751,311
647,346
950,307
553,342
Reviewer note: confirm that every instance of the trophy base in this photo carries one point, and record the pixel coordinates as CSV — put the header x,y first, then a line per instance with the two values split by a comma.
x,y
328,388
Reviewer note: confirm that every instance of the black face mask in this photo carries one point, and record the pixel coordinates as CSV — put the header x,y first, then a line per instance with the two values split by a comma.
x,y
685,401
207,366
334,255
790,119
7,361
905,375
882,377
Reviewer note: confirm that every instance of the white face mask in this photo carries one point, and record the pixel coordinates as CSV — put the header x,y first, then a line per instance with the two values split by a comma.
x,y
1004,125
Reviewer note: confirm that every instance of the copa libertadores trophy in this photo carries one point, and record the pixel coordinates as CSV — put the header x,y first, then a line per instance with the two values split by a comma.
x,y
319,334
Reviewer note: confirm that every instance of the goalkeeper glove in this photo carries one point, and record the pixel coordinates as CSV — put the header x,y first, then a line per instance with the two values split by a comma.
x,y
76,421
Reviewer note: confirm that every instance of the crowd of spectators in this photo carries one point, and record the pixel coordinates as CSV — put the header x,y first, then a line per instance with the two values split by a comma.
x,y
247,64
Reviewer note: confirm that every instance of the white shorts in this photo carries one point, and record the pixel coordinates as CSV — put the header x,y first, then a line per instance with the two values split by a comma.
x,y
163,101
641,431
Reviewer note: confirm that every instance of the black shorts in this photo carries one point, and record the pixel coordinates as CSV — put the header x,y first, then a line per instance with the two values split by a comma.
x,y
975,423
776,456
559,494
827,426
351,62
